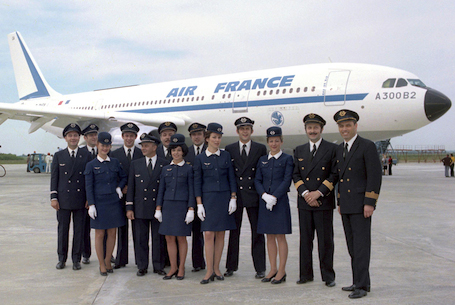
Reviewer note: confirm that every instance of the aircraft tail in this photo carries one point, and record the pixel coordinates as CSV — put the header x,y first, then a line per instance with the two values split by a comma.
x,y
29,79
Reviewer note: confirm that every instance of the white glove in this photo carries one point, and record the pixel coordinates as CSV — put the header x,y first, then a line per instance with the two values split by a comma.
x,y
269,199
200,212
232,206
92,211
119,192
189,216
269,206
158,215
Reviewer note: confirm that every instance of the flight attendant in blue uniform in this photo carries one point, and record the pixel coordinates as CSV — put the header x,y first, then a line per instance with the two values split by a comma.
x,y
175,205
215,191
104,180
272,181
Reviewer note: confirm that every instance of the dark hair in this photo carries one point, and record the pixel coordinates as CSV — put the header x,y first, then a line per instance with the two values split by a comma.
x,y
183,146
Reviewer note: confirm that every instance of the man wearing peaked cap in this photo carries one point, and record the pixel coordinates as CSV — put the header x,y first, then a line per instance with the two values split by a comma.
x,y
125,154
197,133
146,138
314,178
166,130
359,172
90,134
245,154
68,196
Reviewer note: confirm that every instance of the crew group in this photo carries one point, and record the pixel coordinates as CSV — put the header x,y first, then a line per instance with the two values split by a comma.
x,y
173,191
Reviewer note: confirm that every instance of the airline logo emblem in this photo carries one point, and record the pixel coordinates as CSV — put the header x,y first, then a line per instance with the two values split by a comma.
x,y
277,118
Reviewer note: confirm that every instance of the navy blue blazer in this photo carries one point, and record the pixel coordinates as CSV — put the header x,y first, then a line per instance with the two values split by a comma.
x,y
176,184
274,176
67,179
91,157
190,156
143,188
119,154
213,174
318,174
160,153
245,172
102,178
360,176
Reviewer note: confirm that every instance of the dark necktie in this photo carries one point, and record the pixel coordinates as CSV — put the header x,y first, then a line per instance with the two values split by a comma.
x,y
313,152
198,150
244,156
150,167
167,154
93,153
345,150
128,156
73,157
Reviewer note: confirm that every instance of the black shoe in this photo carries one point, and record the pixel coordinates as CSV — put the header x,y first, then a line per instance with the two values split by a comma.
x,y
283,279
304,281
113,260
229,273
168,277
357,294
110,270
160,272
268,279
119,266
141,272
352,288
260,275
219,277
103,273
76,266
86,260
197,269
60,265
211,278
180,277
330,284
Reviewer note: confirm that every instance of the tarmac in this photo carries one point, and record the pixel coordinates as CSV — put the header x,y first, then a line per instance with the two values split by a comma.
x,y
412,262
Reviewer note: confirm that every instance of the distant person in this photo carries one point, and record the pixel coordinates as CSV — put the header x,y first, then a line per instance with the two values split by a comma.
x,y
359,174
68,195
28,162
166,130
385,162
451,165
390,162
104,181
447,161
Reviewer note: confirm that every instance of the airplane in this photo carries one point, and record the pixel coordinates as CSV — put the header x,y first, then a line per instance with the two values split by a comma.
x,y
389,101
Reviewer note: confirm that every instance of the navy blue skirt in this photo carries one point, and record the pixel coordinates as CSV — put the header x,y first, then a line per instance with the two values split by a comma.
x,y
217,218
174,214
277,221
109,212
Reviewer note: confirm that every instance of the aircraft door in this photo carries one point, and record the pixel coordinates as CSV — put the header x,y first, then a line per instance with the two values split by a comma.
x,y
335,88
240,101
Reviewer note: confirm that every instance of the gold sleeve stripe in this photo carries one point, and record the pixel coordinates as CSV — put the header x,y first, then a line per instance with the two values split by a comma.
x,y
328,184
298,183
372,195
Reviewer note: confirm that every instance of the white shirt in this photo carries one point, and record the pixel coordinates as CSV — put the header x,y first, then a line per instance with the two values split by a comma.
x,y
154,158
89,148
317,144
201,147
102,160
351,142
208,154
75,151
181,163
247,148
276,156
126,151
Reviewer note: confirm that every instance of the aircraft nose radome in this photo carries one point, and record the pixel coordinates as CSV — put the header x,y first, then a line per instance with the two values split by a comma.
x,y
436,104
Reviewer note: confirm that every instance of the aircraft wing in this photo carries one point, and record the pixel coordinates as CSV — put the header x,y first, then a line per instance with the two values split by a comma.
x,y
37,116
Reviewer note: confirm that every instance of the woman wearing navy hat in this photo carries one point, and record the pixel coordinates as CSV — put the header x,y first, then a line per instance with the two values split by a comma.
x,y
175,205
104,180
272,181
215,191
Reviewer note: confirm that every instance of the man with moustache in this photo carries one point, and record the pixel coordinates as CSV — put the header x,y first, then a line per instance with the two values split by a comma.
x,y
314,177
166,130
125,154
90,134
68,195
245,155
359,171
197,136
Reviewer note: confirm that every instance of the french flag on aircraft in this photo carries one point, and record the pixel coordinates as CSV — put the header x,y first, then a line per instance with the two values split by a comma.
x,y
61,102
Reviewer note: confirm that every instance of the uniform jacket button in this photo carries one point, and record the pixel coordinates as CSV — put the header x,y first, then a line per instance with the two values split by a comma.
x,y
349,191
318,179
307,179
341,180
241,178
241,187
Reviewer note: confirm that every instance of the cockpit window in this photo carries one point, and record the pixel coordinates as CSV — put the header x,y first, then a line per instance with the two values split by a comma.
x,y
401,83
417,83
389,83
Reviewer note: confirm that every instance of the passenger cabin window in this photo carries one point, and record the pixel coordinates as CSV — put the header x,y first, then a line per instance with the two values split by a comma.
x,y
401,83
390,83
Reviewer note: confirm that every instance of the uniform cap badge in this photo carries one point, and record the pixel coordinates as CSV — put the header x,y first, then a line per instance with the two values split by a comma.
x,y
175,140
130,125
243,120
195,126
311,115
342,113
106,140
219,129
167,123
272,132
92,126
73,125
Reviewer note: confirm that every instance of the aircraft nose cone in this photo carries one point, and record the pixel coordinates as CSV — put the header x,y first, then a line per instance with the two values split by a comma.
x,y
436,104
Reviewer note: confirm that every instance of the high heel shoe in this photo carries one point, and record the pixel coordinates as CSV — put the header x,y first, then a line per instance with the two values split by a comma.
x,y
180,277
219,277
268,279
103,273
168,277
211,278
283,279
110,270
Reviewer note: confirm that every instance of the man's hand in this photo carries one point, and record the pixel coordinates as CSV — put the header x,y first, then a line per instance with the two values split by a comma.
x,y
339,211
130,215
55,205
312,198
125,189
367,210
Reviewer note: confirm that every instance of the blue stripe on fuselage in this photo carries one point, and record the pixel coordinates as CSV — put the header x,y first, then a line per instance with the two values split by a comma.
x,y
254,103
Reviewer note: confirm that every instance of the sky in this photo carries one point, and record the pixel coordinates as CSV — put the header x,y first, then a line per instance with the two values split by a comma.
x,y
87,45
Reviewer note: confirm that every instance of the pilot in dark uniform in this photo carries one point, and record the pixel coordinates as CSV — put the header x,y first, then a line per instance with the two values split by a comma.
x,y
314,178
196,131
245,155
359,170
90,134
68,195
175,205
143,183
166,130
125,154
